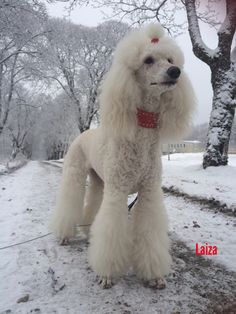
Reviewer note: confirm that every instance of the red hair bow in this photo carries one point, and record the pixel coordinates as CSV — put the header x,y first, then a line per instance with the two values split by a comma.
x,y
154,40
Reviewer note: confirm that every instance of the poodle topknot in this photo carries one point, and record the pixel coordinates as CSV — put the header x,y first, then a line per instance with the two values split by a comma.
x,y
146,98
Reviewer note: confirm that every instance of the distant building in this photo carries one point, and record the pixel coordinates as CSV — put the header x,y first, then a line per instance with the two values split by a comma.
x,y
182,147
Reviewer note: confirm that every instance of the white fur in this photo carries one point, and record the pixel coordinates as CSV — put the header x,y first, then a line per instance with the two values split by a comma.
x,y
122,158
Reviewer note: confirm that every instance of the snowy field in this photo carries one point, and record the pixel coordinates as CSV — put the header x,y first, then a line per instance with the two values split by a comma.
x,y
185,172
48,278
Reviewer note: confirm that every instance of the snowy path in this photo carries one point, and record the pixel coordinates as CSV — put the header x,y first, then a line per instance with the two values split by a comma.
x,y
58,279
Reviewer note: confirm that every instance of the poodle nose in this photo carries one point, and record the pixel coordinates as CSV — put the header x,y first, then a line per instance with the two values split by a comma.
x,y
173,72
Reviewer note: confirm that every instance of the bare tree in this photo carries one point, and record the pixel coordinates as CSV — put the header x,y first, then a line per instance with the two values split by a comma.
x,y
7,75
76,58
55,128
20,29
20,122
223,80
222,66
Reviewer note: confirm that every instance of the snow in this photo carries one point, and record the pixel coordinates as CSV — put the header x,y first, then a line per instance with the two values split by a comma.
x,y
58,278
3,169
185,172
215,229
12,165
193,142
23,194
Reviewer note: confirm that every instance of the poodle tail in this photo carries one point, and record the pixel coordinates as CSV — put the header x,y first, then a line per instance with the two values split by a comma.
x,y
70,201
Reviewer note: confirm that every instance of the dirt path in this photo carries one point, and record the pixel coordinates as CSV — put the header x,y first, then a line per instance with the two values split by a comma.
x,y
213,284
206,203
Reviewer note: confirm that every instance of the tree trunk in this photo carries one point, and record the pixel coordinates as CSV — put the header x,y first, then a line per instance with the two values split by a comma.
x,y
222,79
221,121
15,152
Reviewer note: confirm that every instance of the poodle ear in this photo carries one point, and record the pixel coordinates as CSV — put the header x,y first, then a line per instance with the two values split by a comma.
x,y
119,98
179,104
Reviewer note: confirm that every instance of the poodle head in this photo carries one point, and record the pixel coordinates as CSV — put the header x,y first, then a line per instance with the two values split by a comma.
x,y
155,59
147,64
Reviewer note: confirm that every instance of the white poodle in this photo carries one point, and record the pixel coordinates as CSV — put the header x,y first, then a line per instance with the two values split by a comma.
x,y
146,97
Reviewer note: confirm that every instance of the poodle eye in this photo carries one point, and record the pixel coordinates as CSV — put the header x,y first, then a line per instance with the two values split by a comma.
x,y
170,60
149,60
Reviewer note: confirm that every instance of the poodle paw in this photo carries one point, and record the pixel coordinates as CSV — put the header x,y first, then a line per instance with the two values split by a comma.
x,y
64,241
105,282
158,283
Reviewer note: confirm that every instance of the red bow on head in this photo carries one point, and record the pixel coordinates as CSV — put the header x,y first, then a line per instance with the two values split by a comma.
x,y
154,40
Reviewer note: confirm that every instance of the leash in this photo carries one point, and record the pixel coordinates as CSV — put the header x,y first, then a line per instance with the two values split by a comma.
x,y
47,234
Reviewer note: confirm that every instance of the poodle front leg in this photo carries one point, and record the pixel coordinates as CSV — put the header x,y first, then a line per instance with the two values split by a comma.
x,y
110,239
151,258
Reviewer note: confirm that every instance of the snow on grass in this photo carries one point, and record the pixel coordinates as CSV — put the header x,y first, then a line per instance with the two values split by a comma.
x,y
185,172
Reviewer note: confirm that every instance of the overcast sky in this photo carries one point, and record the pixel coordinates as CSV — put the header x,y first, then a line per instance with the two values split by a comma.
x,y
198,71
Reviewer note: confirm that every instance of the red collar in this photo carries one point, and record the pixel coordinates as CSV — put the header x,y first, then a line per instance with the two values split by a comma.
x,y
147,119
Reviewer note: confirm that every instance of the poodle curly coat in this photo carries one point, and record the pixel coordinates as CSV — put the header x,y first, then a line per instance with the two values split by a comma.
x,y
146,98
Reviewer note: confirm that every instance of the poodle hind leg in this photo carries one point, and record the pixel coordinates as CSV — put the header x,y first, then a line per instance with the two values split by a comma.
x,y
93,200
70,201
151,258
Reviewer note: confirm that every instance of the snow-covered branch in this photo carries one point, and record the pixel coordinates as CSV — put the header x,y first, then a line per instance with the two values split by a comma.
x,y
22,32
227,29
76,58
200,49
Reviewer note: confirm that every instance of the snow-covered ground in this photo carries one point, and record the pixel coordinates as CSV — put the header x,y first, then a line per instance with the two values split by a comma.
x,y
9,166
3,169
185,172
57,279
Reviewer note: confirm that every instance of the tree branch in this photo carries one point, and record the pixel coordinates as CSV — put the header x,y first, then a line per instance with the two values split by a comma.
x,y
20,51
227,29
200,50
